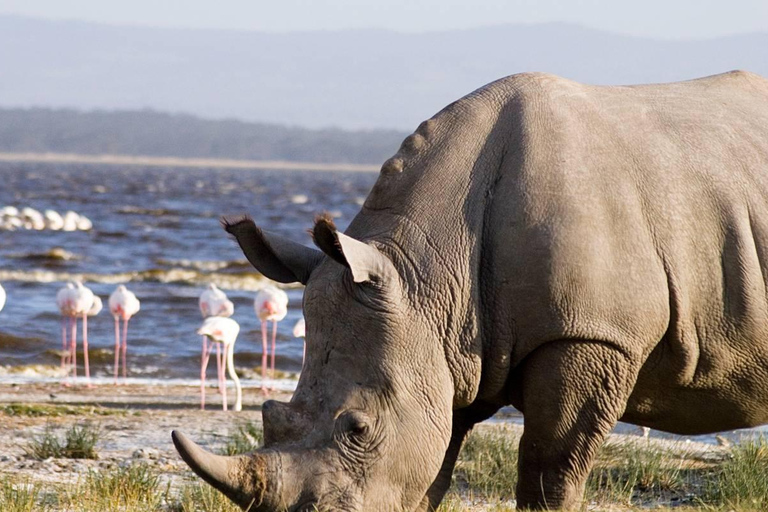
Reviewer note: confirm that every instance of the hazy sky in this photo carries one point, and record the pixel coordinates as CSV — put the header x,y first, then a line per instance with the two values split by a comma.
x,y
654,18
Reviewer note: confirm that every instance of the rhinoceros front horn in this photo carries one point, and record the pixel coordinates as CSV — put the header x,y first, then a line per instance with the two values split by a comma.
x,y
242,478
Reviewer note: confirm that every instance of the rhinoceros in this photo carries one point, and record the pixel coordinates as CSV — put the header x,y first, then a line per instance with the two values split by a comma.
x,y
587,254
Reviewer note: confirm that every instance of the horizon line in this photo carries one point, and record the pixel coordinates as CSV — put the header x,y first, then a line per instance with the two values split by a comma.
x,y
172,161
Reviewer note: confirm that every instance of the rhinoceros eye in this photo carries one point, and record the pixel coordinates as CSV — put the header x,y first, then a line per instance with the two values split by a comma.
x,y
355,423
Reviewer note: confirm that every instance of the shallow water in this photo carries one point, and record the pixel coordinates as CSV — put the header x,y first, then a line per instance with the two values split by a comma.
x,y
158,231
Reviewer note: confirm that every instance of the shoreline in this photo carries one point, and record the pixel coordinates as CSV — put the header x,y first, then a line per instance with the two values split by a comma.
x,y
170,161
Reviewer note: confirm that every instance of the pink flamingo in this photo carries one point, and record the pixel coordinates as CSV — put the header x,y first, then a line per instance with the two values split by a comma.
x,y
123,304
75,300
221,330
65,300
270,304
214,302
84,305
300,331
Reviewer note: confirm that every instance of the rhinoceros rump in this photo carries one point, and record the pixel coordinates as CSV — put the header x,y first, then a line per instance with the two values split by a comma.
x,y
586,254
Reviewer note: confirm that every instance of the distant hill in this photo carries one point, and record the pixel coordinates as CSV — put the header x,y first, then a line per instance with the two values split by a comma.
x,y
350,79
149,133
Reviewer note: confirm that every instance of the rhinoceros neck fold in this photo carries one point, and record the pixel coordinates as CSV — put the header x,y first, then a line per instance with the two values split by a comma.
x,y
428,211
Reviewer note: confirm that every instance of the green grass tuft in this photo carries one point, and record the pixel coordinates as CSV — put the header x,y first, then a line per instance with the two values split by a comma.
x,y
134,488
21,496
57,411
201,497
246,439
487,464
741,482
79,443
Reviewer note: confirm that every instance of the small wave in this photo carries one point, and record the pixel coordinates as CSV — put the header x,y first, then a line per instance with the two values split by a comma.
x,y
138,210
246,281
206,266
33,371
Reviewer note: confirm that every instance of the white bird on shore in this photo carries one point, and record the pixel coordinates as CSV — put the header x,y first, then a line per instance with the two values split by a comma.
x,y
123,304
300,331
214,302
84,223
2,297
32,219
271,303
221,330
53,220
70,221
9,211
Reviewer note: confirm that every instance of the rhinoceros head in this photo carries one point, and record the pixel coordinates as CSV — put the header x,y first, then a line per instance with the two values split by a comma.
x,y
370,421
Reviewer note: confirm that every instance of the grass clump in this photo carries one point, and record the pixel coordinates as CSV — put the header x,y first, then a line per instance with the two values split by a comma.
x,y
56,411
741,481
79,443
21,496
134,488
246,439
487,464
202,498
638,471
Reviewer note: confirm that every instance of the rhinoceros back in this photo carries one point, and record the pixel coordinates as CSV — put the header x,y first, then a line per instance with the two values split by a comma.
x,y
638,216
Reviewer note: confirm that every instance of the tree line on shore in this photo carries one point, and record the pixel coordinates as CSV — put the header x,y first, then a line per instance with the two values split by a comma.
x,y
152,133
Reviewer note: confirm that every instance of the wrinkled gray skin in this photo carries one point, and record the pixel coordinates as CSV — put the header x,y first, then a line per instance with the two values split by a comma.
x,y
586,254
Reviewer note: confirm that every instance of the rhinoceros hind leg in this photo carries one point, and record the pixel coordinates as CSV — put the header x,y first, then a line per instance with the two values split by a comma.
x,y
574,392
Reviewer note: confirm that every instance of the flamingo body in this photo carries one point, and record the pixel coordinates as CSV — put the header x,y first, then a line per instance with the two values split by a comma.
x,y
123,304
270,304
214,302
75,301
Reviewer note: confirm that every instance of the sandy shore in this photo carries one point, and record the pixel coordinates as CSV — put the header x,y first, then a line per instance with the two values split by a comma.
x,y
135,421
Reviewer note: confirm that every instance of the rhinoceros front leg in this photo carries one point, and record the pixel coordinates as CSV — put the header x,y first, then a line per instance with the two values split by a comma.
x,y
463,421
574,392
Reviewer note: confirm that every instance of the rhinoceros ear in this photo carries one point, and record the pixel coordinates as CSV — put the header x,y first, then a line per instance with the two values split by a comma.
x,y
276,257
365,261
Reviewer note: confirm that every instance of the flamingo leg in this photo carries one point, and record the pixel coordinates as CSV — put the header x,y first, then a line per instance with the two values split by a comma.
x,y
203,367
65,353
229,353
125,347
117,346
64,343
85,351
220,368
73,349
224,393
264,353
272,366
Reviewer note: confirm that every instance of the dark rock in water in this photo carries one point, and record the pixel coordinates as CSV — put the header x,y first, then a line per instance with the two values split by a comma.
x,y
54,254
